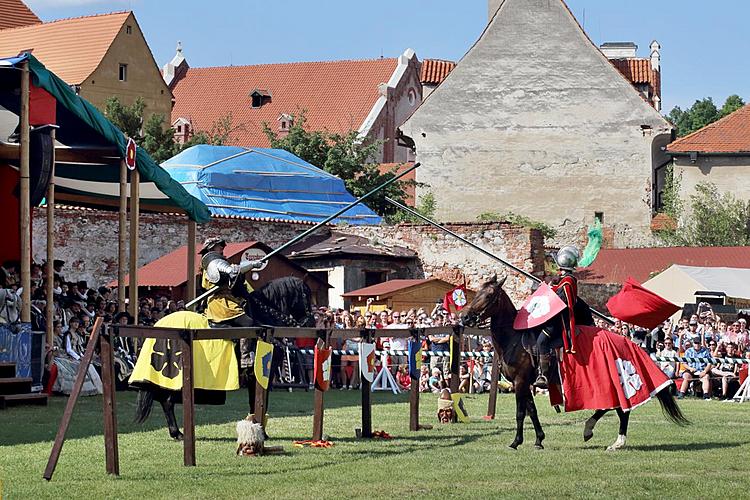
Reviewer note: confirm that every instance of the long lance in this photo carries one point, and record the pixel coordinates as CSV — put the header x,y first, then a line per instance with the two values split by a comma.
x,y
478,248
302,236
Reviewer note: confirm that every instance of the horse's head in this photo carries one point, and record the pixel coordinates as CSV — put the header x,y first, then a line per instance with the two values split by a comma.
x,y
487,302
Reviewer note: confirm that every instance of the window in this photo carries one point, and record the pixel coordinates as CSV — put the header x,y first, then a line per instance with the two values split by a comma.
x,y
179,128
599,216
257,100
374,277
283,125
128,29
123,75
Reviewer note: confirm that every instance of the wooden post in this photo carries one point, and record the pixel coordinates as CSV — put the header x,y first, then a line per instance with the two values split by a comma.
x,y
188,398
455,368
50,293
190,261
25,202
318,408
495,374
121,236
111,451
83,369
366,395
134,226
261,394
414,394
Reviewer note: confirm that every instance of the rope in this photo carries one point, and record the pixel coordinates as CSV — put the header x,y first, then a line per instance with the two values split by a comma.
x,y
712,360
398,352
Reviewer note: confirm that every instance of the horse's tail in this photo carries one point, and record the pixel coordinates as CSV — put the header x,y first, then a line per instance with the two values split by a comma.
x,y
143,404
670,408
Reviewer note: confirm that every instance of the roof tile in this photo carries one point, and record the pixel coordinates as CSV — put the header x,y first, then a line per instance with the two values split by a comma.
x,y
434,71
387,287
335,95
70,48
731,134
15,13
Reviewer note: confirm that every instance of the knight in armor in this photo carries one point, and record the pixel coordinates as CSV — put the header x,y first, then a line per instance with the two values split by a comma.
x,y
562,326
226,306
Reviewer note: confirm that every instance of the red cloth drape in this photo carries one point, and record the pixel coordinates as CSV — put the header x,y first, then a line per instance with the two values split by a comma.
x,y
634,304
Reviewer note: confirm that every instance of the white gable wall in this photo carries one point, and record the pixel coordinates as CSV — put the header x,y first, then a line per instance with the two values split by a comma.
x,y
535,120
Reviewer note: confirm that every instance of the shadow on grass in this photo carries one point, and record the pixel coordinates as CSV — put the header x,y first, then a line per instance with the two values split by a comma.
x,y
687,447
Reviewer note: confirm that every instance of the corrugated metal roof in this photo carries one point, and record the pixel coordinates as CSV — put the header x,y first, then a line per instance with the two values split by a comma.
x,y
70,48
615,265
731,134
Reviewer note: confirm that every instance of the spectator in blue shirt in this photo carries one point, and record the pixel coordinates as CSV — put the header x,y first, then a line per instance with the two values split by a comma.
x,y
698,369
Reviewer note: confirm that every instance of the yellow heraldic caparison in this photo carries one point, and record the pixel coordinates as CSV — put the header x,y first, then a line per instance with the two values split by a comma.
x,y
214,361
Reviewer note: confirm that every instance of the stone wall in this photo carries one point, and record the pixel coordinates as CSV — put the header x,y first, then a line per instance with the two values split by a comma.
x,y
597,294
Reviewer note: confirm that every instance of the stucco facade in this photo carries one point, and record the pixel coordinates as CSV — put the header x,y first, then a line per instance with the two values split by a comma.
x,y
143,78
730,174
535,120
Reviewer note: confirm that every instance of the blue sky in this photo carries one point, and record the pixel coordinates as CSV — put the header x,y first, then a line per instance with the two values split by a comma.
x,y
705,45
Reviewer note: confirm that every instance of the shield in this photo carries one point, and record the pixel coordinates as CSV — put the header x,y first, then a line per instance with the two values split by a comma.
x,y
263,357
130,150
541,306
322,371
367,360
415,358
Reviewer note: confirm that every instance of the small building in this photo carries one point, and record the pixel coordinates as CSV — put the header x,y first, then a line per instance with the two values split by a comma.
x,y
403,295
167,275
718,153
349,262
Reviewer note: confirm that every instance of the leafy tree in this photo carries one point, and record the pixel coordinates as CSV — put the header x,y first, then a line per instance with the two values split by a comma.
x,y
702,113
345,156
732,104
671,201
158,140
518,220
426,206
714,219
222,132
129,119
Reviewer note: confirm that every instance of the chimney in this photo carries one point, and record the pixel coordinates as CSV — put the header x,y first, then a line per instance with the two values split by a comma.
x,y
619,50
492,6
655,55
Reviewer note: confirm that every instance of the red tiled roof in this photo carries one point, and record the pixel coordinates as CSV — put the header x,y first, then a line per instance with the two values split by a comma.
x,y
15,13
171,269
434,71
731,134
387,288
70,48
411,176
615,265
639,71
336,95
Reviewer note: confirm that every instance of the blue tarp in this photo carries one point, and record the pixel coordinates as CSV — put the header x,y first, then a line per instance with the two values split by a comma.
x,y
263,183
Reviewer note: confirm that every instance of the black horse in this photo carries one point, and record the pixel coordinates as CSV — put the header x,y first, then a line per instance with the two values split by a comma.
x,y
280,302
491,302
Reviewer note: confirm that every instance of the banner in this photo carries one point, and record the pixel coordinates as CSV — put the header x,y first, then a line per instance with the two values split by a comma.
x,y
639,306
322,371
456,298
262,367
367,361
539,308
415,358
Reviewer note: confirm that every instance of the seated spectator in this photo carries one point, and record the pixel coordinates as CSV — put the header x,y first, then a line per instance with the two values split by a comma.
x,y
727,370
62,366
697,369
436,381
464,379
403,378
667,350
424,379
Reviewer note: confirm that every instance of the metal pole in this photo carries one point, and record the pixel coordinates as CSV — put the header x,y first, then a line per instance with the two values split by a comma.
x,y
121,236
51,247
317,226
25,202
134,223
478,248
191,261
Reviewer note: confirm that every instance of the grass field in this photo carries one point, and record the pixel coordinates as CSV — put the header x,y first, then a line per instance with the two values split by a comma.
x,y
472,460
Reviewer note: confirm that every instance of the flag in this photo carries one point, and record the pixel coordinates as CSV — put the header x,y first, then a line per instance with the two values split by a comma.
x,y
639,306
539,308
263,357
593,246
415,358
322,371
456,298
367,360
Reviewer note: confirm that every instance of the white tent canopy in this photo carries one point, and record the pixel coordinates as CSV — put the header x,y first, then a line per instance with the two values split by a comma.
x,y
678,284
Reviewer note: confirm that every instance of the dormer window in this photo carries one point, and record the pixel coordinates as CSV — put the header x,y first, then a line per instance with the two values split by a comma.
x,y
286,121
260,97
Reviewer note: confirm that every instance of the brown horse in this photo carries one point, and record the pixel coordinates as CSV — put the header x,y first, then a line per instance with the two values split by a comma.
x,y
491,302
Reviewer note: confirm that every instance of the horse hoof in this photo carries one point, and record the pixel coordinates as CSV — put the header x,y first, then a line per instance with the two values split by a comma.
x,y
178,437
513,446
587,436
538,447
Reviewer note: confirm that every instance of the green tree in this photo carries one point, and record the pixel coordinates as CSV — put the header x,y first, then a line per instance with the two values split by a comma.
x,y
518,220
158,140
129,119
344,155
426,206
732,104
703,112
222,132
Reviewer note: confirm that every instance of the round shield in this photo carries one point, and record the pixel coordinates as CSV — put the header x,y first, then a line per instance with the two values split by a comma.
x,y
130,151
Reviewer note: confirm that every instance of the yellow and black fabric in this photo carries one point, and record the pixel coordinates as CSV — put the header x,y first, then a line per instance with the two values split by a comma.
x,y
223,305
160,361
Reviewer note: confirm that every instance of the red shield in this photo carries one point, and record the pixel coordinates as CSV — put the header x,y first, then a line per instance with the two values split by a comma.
x,y
322,368
130,154
538,308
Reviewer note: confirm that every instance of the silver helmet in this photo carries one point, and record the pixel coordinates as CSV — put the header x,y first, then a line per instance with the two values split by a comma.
x,y
567,258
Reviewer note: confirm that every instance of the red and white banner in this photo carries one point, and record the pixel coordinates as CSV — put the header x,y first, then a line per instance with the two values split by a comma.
x,y
608,371
322,371
639,306
541,306
456,298
367,361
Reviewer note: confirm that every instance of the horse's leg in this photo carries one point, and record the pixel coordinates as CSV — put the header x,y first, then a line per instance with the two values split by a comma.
x,y
521,397
622,433
588,427
531,409
167,404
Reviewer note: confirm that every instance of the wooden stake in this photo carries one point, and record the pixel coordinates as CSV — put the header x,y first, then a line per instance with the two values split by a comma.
x,y
366,396
111,451
318,416
190,261
121,236
134,227
83,369
188,398
25,202
495,374
51,247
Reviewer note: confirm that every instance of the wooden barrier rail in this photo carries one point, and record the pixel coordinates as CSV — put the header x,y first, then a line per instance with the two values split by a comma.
x,y
185,339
